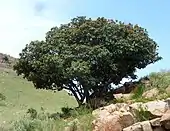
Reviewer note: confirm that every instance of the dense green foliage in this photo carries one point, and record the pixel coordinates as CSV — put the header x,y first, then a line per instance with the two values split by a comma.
x,y
95,53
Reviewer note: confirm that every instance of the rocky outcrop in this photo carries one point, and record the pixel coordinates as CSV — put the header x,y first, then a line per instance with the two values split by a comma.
x,y
151,93
121,117
114,117
156,108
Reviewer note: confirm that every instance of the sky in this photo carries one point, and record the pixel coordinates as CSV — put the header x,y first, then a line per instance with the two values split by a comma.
x,y
25,20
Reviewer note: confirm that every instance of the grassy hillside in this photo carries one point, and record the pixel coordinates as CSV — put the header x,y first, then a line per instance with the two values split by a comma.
x,y
21,95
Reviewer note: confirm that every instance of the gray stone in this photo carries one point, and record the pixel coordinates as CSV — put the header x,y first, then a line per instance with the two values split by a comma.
x,y
158,129
146,126
155,122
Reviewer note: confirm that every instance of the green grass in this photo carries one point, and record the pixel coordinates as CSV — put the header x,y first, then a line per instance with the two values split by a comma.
x,y
21,95
138,93
142,114
80,120
159,80
18,95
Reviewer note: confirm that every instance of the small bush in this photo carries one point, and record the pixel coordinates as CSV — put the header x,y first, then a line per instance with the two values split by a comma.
x,y
138,92
2,97
33,113
142,114
69,112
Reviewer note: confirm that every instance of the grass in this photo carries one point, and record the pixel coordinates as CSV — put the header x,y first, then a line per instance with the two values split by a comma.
x,y
159,80
138,93
20,95
142,114
18,98
42,121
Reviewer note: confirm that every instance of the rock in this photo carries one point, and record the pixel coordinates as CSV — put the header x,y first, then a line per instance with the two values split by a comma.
x,y
113,122
122,96
151,93
166,116
110,109
100,113
165,120
158,129
109,123
118,96
155,122
127,119
136,106
128,128
135,127
146,126
167,103
157,108
114,117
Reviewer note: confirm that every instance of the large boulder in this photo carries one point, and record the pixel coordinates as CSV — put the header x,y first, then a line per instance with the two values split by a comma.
x,y
156,108
165,120
107,123
146,126
114,117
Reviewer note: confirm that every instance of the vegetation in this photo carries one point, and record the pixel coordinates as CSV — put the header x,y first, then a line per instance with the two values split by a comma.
x,y
40,110
7,61
91,52
138,93
20,95
160,80
143,114
44,121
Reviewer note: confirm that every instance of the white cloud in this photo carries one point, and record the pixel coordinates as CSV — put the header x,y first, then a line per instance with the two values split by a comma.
x,y
24,20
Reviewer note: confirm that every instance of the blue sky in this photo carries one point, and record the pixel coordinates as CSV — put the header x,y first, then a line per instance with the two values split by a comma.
x,y
26,20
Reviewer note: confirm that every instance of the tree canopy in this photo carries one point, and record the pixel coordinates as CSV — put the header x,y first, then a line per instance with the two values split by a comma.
x,y
86,55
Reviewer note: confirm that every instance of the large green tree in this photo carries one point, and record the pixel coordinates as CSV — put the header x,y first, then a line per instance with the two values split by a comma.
x,y
92,52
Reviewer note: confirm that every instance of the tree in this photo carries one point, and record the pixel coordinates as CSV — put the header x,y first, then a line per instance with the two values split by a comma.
x,y
5,59
85,56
